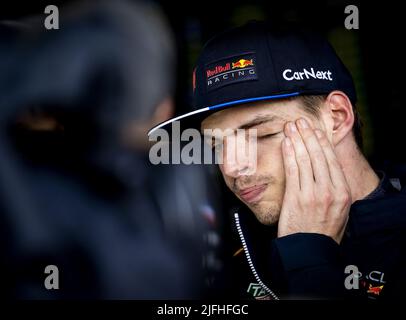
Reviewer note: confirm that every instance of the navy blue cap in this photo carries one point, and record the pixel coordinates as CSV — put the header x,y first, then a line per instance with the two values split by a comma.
x,y
257,62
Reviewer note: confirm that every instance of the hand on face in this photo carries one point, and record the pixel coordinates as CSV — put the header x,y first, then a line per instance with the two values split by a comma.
x,y
317,197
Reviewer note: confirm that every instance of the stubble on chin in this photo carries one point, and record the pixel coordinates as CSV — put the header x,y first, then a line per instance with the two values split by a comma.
x,y
267,215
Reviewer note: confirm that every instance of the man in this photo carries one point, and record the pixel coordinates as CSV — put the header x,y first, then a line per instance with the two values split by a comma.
x,y
330,226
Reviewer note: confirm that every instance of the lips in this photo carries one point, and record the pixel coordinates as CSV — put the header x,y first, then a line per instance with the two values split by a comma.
x,y
252,194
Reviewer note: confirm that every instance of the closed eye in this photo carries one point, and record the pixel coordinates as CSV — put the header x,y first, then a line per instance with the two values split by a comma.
x,y
216,146
269,135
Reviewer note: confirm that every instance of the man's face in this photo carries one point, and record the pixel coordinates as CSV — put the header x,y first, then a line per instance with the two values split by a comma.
x,y
262,190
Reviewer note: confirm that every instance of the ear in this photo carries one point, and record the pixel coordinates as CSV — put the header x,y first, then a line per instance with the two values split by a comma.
x,y
340,109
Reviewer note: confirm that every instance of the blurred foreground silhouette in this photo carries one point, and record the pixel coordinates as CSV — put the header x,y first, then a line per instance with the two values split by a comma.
x,y
76,186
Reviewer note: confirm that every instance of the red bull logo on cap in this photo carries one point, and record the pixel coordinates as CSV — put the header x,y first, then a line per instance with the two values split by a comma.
x,y
231,70
219,69
242,63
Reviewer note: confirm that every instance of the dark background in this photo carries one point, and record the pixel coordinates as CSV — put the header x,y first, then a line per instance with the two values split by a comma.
x,y
373,53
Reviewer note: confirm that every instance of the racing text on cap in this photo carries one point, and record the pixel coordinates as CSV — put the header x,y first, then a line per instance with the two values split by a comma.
x,y
230,70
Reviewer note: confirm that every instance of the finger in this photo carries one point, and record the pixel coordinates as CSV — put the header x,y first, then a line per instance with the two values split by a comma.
x,y
290,165
336,172
318,159
302,157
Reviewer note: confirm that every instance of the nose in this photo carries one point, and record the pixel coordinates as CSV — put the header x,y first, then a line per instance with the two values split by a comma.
x,y
234,170
236,161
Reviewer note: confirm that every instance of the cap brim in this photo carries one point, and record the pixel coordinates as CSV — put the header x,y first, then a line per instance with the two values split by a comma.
x,y
195,117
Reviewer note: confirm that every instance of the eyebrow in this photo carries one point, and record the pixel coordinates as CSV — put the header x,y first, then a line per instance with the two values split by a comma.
x,y
258,121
